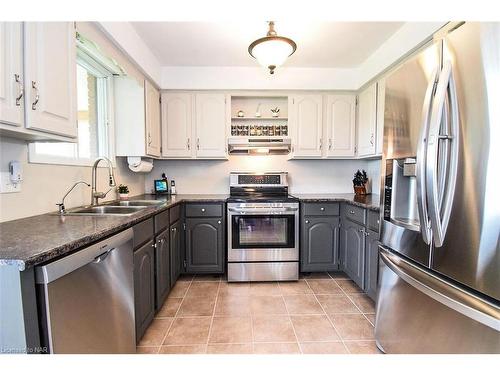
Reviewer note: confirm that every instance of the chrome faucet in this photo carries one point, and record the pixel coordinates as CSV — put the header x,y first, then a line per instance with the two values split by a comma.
x,y
62,208
96,195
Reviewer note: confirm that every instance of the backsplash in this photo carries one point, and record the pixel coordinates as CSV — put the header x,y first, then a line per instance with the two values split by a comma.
x,y
305,176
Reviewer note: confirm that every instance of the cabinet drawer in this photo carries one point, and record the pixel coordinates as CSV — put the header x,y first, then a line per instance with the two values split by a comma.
x,y
143,232
175,213
373,220
203,210
161,221
354,213
320,209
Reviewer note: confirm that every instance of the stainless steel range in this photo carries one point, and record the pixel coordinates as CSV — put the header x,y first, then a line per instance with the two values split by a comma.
x,y
263,228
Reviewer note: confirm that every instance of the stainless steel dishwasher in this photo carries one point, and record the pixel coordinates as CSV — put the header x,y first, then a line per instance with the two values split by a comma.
x,y
87,299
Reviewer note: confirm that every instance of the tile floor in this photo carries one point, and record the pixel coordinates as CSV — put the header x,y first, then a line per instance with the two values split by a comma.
x,y
319,314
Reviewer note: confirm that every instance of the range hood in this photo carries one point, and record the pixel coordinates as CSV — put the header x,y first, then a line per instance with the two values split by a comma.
x,y
259,145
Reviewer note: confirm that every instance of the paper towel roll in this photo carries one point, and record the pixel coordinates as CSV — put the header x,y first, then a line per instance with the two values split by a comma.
x,y
140,166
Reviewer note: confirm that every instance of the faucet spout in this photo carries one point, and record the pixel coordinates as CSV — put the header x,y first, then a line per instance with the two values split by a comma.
x,y
95,195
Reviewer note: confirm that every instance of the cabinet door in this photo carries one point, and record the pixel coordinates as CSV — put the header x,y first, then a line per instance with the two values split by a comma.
x,y
367,120
205,245
371,269
306,120
380,116
162,267
211,120
144,288
352,249
50,77
320,238
340,125
175,251
176,123
11,74
153,130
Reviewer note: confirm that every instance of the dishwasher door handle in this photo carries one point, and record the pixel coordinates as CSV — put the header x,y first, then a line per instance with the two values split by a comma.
x,y
103,256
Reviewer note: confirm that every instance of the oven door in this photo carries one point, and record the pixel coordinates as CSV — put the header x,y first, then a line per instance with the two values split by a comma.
x,y
263,235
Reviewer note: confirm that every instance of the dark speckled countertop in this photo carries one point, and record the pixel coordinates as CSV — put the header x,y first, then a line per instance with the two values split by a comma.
x,y
34,240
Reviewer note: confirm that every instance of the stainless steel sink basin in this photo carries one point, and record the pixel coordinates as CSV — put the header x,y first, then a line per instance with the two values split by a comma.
x,y
104,210
136,203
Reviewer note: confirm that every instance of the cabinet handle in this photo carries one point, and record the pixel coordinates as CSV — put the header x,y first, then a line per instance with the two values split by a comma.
x,y
174,229
362,230
351,212
321,143
189,144
197,143
161,240
37,95
149,139
330,144
20,91
322,209
219,222
371,139
202,210
307,221
153,246
367,234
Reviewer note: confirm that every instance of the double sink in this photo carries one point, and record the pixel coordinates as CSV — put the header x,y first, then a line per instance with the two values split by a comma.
x,y
120,208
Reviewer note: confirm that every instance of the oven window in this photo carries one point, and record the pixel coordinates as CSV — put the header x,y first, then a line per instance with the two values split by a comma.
x,y
261,231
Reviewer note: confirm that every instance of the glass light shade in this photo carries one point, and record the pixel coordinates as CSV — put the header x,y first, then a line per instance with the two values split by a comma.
x,y
273,52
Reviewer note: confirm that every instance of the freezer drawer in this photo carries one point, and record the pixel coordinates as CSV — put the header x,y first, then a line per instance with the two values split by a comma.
x,y
419,313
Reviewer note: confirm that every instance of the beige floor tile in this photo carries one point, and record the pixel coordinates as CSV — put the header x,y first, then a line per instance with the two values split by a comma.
x,y
183,349
229,305
313,328
203,289
324,286
170,307
147,349
363,302
352,326
231,329
230,348
362,347
338,275
323,348
207,278
156,332
273,328
188,331
234,289
179,290
265,289
266,305
197,306
185,277
315,275
371,318
276,348
302,304
294,287
349,286
336,303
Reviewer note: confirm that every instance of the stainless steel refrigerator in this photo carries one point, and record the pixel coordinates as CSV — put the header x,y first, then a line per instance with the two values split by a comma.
x,y
439,264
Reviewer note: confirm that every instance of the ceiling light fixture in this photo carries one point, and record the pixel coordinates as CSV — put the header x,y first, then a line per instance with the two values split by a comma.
x,y
272,50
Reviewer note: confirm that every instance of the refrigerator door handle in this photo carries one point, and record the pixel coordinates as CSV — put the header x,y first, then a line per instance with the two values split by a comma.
x,y
443,292
423,214
441,166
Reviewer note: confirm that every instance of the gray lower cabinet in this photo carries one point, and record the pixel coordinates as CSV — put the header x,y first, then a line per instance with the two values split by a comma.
x,y
352,250
162,267
144,287
319,243
371,269
204,244
175,251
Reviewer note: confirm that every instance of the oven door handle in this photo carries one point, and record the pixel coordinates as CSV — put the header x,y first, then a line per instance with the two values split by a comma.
x,y
267,210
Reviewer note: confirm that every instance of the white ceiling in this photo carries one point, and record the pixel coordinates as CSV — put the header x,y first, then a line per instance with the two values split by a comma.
x,y
320,44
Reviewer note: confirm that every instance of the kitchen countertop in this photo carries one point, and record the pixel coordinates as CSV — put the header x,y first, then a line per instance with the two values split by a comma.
x,y
34,240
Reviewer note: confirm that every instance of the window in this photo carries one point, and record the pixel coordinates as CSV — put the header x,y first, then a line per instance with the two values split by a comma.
x,y
94,130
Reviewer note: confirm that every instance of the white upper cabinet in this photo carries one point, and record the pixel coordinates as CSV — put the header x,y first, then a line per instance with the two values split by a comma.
x,y
11,74
367,121
340,126
50,77
176,125
306,121
153,126
380,116
211,124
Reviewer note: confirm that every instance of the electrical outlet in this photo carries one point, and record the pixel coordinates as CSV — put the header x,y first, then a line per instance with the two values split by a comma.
x,y
6,185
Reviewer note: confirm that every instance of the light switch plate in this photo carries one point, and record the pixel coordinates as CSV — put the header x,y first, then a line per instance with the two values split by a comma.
x,y
6,185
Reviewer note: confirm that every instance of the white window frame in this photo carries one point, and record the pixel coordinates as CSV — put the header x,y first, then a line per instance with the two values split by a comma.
x,y
104,110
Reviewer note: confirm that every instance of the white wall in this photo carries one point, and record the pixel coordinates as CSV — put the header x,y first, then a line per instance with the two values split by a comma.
x,y
44,184
305,176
